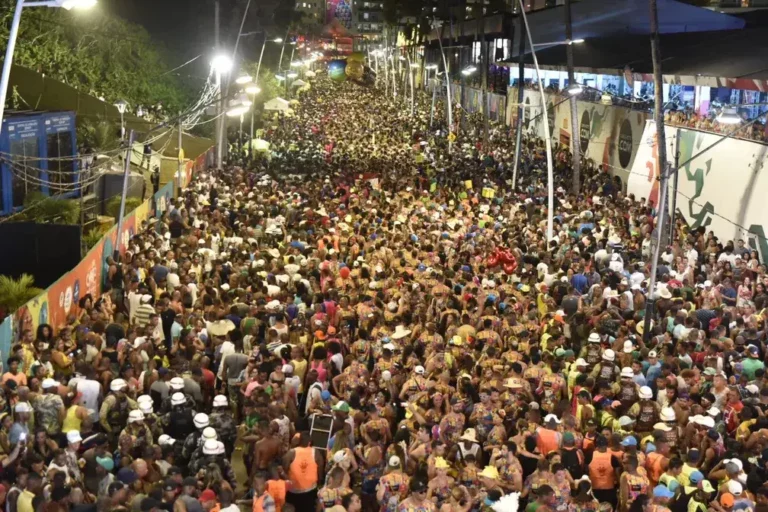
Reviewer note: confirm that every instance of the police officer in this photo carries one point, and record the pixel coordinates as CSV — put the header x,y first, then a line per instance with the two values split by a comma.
x,y
192,440
177,386
223,423
113,415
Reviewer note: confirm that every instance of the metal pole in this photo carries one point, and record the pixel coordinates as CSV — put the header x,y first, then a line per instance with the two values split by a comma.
x,y
547,138
9,57
675,178
240,135
250,141
282,51
126,174
449,99
520,97
434,98
261,56
122,125
661,213
410,76
575,131
181,150
219,124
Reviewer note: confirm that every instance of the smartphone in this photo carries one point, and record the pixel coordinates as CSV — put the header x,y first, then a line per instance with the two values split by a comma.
x,y
22,437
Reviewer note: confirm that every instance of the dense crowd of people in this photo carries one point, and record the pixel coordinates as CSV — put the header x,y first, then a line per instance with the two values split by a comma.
x,y
373,318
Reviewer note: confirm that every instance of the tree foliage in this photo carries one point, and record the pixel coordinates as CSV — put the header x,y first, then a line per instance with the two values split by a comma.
x,y
14,293
97,53
43,209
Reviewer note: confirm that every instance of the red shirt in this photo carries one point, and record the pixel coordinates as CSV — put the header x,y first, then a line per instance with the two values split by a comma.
x,y
209,378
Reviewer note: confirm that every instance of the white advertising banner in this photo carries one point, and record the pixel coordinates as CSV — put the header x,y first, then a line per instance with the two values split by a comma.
x,y
610,136
718,190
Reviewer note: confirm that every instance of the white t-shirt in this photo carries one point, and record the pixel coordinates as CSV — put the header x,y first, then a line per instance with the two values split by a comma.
x,y
91,389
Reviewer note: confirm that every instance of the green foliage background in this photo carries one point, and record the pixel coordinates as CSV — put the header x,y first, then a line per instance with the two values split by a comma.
x,y
97,53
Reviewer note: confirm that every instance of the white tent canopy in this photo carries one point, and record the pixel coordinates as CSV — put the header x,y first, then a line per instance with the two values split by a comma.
x,y
278,104
299,83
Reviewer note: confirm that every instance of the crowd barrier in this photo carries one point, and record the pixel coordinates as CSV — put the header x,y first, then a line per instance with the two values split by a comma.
x,y
60,301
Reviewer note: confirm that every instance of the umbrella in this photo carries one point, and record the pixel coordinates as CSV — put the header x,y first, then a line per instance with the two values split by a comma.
x,y
278,104
299,83
220,327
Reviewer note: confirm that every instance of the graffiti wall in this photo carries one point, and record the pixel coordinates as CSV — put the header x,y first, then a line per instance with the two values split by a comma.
x,y
718,189
610,136
59,303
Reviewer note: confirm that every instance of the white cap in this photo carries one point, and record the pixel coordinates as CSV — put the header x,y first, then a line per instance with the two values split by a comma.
x,y
144,398
609,355
49,383
551,417
628,347
594,338
135,415
219,448
734,487
419,370
145,298
713,411
201,420
178,399
220,401
117,385
176,383
581,362
22,407
73,436
653,354
627,372
210,447
736,462
646,393
288,368
209,433
165,439
668,414
394,461
386,375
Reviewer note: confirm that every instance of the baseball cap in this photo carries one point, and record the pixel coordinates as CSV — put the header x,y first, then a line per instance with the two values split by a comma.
x,y
696,477
170,486
189,482
727,499
73,436
661,491
127,476
208,495
629,441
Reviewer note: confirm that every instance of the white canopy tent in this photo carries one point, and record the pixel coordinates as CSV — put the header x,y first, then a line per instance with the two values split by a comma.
x,y
278,104
299,83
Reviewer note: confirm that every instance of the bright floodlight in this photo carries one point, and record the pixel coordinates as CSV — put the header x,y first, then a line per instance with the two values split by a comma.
x,y
121,106
77,4
237,111
244,100
414,66
431,67
277,40
576,41
243,79
280,77
292,74
297,64
729,116
252,89
221,64
468,70
574,89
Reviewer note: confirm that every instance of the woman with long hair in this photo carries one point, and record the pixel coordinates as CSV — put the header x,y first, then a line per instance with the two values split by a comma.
x,y
583,500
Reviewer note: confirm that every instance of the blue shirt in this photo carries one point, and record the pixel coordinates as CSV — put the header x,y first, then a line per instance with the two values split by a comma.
x,y
580,283
16,430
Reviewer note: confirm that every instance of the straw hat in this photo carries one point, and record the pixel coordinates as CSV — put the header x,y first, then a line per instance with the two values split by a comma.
x,y
220,327
469,435
400,332
489,472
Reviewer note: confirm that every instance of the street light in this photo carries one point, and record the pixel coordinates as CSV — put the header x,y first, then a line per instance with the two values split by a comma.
x,y
252,89
280,77
277,40
292,75
296,64
121,106
14,32
431,67
468,70
729,115
221,64
243,79
557,43
574,89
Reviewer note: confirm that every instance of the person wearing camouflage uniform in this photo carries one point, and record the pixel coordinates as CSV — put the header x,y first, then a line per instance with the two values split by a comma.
x,y
223,423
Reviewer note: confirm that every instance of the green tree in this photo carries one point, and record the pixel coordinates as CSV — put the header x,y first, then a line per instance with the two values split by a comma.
x,y
97,53
14,293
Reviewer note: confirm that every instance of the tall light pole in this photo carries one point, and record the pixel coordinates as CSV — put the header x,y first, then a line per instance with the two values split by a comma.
x,y
548,137
14,32
261,55
221,65
121,106
252,90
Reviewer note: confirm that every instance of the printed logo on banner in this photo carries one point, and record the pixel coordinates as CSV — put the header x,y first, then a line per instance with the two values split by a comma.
x,y
67,303
585,131
625,143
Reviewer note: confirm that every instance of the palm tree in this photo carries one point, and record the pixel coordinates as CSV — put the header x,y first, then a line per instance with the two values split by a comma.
x,y
14,293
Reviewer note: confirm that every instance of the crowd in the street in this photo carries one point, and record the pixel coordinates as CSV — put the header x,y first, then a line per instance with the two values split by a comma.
x,y
373,318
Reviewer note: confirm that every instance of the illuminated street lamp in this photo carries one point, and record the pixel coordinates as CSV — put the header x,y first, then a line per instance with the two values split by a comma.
x,y
292,74
574,89
252,89
121,106
14,32
221,64
468,70
243,79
